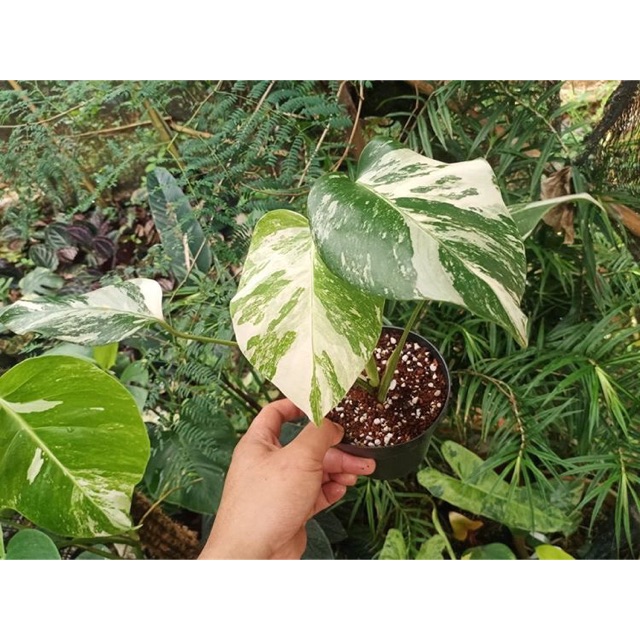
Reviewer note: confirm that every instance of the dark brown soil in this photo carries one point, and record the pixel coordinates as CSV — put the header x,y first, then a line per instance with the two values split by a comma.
x,y
417,395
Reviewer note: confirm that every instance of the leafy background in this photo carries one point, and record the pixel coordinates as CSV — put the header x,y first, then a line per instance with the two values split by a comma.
x,y
74,157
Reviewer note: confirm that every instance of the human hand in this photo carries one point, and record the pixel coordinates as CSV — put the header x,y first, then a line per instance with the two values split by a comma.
x,y
271,491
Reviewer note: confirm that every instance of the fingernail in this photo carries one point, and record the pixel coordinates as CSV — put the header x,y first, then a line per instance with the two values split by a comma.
x,y
339,426
340,435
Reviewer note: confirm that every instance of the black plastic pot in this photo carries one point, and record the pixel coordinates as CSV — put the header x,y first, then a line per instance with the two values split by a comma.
x,y
400,460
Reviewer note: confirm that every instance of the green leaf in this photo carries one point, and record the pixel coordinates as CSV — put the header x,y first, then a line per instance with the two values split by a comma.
x,y
394,547
40,282
308,331
73,350
189,462
493,551
331,525
414,228
2,553
56,236
44,256
31,544
318,544
105,355
182,237
432,548
89,555
72,446
100,317
527,216
483,492
551,552
135,378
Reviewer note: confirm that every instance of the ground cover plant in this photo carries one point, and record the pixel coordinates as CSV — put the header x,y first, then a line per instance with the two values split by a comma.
x,y
552,422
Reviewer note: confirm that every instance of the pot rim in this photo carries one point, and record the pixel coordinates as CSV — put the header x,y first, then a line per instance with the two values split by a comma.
x,y
436,352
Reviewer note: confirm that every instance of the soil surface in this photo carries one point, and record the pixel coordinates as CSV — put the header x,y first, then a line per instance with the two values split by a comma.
x,y
417,396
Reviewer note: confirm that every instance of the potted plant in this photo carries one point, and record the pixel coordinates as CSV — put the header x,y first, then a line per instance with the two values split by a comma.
x,y
309,306
308,311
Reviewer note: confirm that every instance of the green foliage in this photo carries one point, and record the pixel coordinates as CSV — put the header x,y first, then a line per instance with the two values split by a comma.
x,y
394,547
73,446
483,492
565,406
190,458
242,147
31,544
494,551
105,355
551,552
40,282
182,237
318,543
374,507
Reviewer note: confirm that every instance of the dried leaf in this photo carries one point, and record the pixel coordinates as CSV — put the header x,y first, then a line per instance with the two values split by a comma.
x,y
560,218
8,199
68,254
627,216
462,525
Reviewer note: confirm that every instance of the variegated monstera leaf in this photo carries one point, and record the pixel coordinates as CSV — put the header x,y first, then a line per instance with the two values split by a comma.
x,y
411,228
307,330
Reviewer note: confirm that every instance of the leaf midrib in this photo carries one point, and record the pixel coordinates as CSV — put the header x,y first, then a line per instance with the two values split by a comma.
x,y
93,309
489,494
31,433
411,221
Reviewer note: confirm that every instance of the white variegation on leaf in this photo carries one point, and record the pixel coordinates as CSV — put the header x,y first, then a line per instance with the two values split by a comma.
x,y
411,227
308,331
72,446
100,317
526,216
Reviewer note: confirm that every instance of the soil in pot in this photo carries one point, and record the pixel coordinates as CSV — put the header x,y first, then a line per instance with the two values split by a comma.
x,y
417,396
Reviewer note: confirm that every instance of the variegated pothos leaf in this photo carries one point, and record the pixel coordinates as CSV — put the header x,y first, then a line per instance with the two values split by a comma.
x,y
102,316
414,228
72,446
308,331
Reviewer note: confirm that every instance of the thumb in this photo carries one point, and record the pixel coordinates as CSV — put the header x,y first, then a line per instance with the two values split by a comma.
x,y
316,440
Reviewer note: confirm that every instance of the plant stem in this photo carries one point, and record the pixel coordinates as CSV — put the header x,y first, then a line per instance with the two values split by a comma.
x,y
190,336
520,546
395,356
372,372
229,386
363,384
440,530
99,552
164,132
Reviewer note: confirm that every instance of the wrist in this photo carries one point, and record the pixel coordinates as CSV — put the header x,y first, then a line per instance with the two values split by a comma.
x,y
220,548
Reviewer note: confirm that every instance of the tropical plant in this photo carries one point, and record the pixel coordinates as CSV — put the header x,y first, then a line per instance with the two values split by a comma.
x,y
566,406
307,315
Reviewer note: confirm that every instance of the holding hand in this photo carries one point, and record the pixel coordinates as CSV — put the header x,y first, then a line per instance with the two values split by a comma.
x,y
271,491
